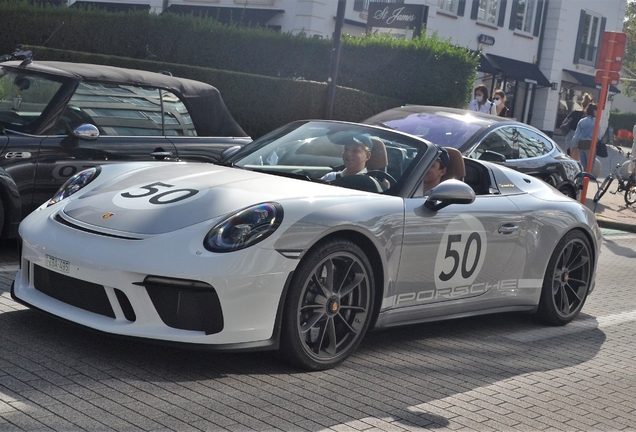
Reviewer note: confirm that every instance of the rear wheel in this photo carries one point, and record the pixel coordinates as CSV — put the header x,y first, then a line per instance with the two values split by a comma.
x,y
328,307
1,216
567,280
630,192
603,188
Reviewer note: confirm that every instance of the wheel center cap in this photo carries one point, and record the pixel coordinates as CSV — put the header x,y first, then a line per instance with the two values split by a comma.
x,y
333,305
566,277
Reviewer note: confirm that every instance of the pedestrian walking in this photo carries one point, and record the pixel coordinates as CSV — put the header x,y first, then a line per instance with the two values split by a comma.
x,y
481,102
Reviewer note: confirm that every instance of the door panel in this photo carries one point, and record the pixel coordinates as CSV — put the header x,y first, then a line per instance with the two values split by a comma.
x,y
458,253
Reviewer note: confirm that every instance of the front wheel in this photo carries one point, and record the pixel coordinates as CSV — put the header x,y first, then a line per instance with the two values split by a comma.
x,y
630,192
603,188
328,307
567,280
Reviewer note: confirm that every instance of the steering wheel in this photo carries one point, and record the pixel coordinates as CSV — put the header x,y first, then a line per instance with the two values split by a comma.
x,y
381,176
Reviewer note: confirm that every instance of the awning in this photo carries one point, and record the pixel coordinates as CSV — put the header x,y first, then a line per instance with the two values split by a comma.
x,y
111,6
588,81
486,67
246,16
519,70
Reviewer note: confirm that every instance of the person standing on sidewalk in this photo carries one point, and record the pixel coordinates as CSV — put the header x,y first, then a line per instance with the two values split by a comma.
x,y
499,99
573,118
582,139
480,102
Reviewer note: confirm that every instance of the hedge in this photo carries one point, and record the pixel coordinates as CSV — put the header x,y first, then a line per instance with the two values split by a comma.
x,y
259,104
427,70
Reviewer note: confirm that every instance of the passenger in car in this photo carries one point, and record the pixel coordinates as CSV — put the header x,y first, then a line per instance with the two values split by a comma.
x,y
434,175
355,155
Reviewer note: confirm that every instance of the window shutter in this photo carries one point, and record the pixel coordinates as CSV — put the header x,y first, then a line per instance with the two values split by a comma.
x,y
502,13
538,18
600,39
461,6
513,14
475,10
577,47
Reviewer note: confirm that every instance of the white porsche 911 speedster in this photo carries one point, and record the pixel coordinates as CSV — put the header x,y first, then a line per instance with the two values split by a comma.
x,y
286,245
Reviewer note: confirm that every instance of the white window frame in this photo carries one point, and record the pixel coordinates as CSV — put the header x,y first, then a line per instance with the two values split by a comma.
x,y
449,5
488,11
525,19
590,38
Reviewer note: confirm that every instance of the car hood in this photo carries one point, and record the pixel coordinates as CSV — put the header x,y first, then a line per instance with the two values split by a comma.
x,y
160,198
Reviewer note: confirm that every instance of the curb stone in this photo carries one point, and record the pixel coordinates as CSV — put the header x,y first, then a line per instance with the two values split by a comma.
x,y
605,222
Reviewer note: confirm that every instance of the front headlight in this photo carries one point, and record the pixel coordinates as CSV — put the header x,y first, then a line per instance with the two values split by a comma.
x,y
75,183
244,228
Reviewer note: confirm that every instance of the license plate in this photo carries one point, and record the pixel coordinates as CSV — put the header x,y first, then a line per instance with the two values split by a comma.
x,y
58,264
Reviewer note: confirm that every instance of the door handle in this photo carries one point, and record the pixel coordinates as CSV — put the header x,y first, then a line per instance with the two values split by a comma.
x,y
508,229
161,154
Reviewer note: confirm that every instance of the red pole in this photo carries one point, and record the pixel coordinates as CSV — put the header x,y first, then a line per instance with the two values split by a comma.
x,y
599,111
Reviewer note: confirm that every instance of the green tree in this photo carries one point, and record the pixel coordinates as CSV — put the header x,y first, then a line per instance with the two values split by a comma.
x,y
629,62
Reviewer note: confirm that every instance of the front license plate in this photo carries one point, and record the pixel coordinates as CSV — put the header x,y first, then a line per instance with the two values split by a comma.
x,y
58,264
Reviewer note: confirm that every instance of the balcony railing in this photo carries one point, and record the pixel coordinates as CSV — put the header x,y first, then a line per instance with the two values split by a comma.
x,y
587,54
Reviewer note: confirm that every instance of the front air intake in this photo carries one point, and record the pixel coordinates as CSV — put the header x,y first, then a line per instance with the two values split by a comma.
x,y
185,304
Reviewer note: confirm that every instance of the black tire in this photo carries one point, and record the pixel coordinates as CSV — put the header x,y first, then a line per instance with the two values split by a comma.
x,y
567,191
603,188
630,192
328,307
1,216
567,280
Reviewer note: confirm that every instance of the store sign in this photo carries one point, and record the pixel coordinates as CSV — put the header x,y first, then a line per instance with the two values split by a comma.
x,y
486,39
383,16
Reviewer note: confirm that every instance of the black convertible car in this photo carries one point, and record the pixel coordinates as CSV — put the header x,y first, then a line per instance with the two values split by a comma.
x,y
59,118
486,137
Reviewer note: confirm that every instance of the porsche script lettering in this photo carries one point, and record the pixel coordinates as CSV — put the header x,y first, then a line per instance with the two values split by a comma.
x,y
433,294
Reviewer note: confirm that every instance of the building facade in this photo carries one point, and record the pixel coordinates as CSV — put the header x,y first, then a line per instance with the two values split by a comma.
x,y
542,53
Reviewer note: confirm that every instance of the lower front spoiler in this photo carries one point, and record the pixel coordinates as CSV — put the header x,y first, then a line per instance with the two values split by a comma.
x,y
264,345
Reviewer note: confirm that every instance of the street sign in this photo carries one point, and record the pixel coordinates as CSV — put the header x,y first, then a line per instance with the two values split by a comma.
x,y
616,41
613,76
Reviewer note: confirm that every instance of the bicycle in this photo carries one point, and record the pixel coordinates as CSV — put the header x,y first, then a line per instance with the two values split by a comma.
x,y
625,174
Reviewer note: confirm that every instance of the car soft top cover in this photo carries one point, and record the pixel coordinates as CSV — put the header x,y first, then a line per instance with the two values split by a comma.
x,y
207,108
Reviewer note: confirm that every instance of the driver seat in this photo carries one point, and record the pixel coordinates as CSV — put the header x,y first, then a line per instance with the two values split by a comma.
x,y
456,169
379,159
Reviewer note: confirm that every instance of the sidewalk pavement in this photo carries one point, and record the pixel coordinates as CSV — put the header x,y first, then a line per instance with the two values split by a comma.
x,y
611,211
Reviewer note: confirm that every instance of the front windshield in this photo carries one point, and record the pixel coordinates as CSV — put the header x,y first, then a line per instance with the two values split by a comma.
x,y
23,98
443,129
335,152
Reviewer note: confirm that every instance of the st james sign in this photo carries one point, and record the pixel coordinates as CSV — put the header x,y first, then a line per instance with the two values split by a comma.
x,y
388,17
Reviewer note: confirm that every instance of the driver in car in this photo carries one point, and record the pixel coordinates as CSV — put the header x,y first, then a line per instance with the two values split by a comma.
x,y
355,155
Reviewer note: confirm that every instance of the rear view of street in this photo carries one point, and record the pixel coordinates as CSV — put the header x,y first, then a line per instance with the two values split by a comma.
x,y
499,372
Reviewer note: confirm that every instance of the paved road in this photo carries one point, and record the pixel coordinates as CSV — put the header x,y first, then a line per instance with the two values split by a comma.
x,y
502,372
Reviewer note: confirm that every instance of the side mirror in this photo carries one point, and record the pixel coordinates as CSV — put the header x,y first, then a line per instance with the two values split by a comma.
x,y
491,156
85,132
449,192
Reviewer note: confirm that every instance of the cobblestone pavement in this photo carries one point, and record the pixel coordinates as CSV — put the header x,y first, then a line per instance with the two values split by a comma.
x,y
499,372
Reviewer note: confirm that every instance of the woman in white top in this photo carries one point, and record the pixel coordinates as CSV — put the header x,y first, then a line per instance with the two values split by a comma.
x,y
480,102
